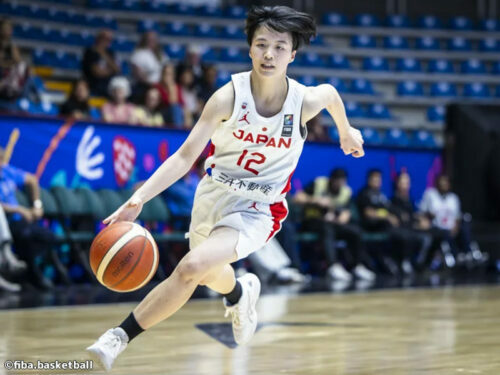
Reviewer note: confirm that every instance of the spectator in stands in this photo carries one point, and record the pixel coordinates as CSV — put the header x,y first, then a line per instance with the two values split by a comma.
x,y
31,240
171,97
14,72
147,62
77,105
118,110
185,79
327,212
316,132
193,59
208,83
377,215
150,114
99,65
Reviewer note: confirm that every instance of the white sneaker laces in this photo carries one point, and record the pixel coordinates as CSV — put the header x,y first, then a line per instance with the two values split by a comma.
x,y
235,314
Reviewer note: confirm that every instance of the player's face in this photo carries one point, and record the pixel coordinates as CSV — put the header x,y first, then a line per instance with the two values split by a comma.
x,y
271,51
375,181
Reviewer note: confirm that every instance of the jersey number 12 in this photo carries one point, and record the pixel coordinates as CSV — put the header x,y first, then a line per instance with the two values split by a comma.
x,y
259,159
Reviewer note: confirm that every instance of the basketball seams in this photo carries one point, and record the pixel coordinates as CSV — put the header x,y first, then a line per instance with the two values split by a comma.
x,y
155,260
101,234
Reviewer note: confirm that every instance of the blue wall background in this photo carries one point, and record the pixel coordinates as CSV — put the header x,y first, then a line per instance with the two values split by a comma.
x,y
85,155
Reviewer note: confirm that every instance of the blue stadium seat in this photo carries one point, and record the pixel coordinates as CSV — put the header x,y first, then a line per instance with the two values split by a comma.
x,y
476,90
353,109
317,41
41,57
99,4
459,43
95,114
427,43
209,55
371,136
154,6
24,105
205,30
422,139
122,44
396,137
102,22
497,91
473,66
396,42
308,80
44,14
209,11
44,108
429,22
489,25
363,41
378,111
68,61
125,67
83,39
375,64
223,77
496,67
408,65
232,54
335,19
410,88
443,89
436,113
147,25
175,51
177,28
362,86
181,8
333,132
461,23
127,5
338,83
338,61
312,59
489,45
235,11
441,66
397,20
233,32
366,20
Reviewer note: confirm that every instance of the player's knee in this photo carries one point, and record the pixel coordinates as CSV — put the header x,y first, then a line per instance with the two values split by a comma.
x,y
190,269
208,279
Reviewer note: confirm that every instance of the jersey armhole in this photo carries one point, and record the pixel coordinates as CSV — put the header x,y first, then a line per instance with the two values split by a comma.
x,y
235,104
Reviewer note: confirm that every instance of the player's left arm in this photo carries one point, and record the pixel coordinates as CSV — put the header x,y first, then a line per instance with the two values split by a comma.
x,y
326,96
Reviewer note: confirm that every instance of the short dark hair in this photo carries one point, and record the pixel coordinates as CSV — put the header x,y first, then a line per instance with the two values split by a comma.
x,y
282,19
372,172
338,173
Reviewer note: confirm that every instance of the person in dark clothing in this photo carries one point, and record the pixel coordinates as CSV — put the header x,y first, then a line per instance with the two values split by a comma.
x,y
99,64
208,83
77,105
327,212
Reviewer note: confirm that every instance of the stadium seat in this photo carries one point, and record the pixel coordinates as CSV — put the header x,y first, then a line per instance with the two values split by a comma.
x,y
461,23
233,32
335,19
232,54
155,6
429,22
473,66
333,132
338,61
363,41
410,88
427,43
147,25
127,5
338,83
235,11
95,114
436,113
312,59
489,25
353,109
209,55
317,41
378,111
371,136
408,65
362,86
441,66
459,43
489,45
395,42
422,139
375,64
308,80
99,4
125,67
495,69
205,30
497,91
41,57
177,28
396,137
209,11
223,77
45,108
122,44
366,20
443,89
476,90
24,105
397,20
175,51
181,8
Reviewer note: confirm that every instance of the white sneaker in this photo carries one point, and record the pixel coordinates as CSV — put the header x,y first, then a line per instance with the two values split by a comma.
x,y
108,347
364,273
9,286
244,313
337,272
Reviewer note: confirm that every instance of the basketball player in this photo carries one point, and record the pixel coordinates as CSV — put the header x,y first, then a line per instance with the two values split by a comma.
x,y
256,124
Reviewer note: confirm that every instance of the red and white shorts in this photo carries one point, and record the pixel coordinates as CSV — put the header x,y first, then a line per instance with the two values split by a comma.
x,y
215,207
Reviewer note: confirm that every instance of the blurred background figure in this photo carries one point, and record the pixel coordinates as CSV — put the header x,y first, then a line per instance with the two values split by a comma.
x,y
149,114
186,80
77,105
172,102
118,109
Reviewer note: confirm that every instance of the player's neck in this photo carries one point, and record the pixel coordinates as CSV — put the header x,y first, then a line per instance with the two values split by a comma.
x,y
268,89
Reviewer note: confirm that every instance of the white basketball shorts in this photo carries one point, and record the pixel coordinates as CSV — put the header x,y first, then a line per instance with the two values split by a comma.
x,y
215,207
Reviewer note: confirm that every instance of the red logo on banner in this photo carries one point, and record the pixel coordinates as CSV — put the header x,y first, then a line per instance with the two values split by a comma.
x,y
123,159
163,151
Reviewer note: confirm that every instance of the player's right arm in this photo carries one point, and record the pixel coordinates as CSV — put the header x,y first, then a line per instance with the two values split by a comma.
x,y
217,109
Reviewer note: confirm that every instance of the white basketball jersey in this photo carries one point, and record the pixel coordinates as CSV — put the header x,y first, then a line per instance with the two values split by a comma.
x,y
255,156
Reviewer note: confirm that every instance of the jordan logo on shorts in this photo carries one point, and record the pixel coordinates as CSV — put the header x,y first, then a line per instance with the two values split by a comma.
x,y
254,205
244,118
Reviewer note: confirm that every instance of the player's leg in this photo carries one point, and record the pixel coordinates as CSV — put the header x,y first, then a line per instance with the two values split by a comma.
x,y
222,280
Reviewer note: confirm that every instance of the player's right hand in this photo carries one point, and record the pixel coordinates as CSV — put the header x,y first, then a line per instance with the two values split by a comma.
x,y
127,212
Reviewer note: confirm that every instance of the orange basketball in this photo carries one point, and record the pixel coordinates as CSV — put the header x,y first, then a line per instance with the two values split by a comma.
x,y
124,256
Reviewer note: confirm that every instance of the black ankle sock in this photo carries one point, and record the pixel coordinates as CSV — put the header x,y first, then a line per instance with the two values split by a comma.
x,y
131,327
234,295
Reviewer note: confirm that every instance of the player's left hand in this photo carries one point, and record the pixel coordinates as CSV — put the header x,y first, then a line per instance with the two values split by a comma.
x,y
352,143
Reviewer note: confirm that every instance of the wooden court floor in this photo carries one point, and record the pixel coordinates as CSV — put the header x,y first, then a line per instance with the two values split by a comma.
x,y
393,332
